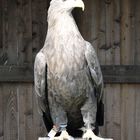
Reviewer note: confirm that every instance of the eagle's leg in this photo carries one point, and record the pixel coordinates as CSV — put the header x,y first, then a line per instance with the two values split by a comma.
x,y
64,134
59,117
89,117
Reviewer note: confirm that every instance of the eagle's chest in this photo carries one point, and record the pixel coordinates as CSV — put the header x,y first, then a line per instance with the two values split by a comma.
x,y
64,60
68,77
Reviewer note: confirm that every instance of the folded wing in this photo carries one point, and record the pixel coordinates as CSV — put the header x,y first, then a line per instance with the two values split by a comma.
x,y
95,70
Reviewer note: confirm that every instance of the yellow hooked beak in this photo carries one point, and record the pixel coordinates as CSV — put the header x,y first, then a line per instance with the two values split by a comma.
x,y
80,4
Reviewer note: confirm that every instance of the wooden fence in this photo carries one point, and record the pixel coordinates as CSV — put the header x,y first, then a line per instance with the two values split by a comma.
x,y
112,26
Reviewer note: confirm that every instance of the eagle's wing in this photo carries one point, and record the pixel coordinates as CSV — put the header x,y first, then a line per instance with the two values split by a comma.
x,y
39,81
95,69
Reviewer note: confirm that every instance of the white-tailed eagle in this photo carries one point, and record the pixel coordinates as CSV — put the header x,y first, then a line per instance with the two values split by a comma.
x,y
68,78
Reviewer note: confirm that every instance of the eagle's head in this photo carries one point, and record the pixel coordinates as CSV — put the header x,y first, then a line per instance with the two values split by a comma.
x,y
61,9
66,5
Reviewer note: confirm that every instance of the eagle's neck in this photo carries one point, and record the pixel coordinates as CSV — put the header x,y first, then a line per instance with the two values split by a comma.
x,y
62,26
64,45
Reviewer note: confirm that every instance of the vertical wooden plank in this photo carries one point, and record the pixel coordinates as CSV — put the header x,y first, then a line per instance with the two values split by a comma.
x,y
39,127
35,29
111,47
36,118
20,31
123,113
112,127
94,21
27,34
128,112
10,112
29,133
109,32
112,111
5,28
86,22
21,111
137,32
1,26
116,36
131,121
90,27
133,30
12,32
5,23
102,33
1,113
83,20
103,129
39,24
109,110
42,9
127,57
137,109
116,129
126,48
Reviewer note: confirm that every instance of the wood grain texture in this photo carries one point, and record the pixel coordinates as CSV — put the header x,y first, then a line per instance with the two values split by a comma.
x,y
39,126
39,24
16,74
12,32
102,33
109,107
10,112
1,27
116,32
126,48
128,112
109,33
95,23
112,111
1,113
137,112
20,33
21,111
28,112
137,31
121,115
5,24
18,120
27,34
86,32
116,112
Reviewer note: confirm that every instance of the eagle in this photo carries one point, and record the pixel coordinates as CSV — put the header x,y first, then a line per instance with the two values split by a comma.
x,y
67,77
